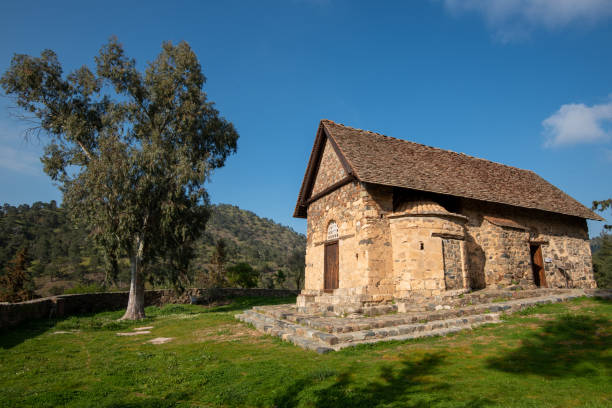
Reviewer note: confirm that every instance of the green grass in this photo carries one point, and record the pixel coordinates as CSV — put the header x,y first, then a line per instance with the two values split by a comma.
x,y
550,356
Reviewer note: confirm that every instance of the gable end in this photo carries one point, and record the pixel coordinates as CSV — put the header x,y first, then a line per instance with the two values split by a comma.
x,y
327,170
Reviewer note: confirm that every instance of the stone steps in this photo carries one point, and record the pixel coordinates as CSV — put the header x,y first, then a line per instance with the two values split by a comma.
x,y
323,342
330,309
411,331
473,298
300,336
350,324
324,334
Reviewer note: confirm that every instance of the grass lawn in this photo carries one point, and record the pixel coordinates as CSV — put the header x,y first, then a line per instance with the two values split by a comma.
x,y
551,356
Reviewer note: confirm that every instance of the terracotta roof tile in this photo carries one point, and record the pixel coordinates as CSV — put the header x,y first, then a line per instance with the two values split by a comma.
x,y
379,159
504,222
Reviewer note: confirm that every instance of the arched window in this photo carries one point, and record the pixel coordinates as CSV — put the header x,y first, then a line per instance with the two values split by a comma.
x,y
332,230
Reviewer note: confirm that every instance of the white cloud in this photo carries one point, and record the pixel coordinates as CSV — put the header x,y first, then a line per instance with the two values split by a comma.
x,y
516,19
578,123
19,161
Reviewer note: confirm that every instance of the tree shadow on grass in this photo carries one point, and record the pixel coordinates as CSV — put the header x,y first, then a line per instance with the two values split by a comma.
x,y
410,386
14,336
570,346
105,320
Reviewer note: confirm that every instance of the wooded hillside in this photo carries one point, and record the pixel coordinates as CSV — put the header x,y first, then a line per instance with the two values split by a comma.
x,y
62,257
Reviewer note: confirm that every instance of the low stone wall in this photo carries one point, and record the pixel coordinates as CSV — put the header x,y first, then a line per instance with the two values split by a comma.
x,y
12,314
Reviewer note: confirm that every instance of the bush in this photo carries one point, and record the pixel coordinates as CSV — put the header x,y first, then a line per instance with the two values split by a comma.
x,y
602,263
243,275
16,284
91,288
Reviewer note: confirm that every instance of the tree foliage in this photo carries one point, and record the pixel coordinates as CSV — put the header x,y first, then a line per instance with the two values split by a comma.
x,y
295,263
131,151
602,262
57,249
243,275
602,206
218,261
65,260
16,284
602,253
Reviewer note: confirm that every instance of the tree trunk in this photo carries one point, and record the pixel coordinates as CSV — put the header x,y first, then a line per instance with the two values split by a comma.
x,y
135,308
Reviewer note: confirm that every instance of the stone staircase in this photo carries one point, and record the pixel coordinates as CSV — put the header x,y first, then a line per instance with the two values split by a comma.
x,y
322,332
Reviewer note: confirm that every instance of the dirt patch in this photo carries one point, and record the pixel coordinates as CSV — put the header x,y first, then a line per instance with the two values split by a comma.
x,y
160,340
226,332
135,333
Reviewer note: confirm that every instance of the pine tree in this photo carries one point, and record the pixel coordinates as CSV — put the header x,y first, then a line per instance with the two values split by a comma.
x,y
16,284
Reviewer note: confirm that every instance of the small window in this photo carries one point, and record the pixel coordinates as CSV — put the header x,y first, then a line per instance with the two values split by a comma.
x,y
332,230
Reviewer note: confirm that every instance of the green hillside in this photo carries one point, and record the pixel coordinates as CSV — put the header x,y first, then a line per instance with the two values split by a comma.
x,y
601,248
253,239
63,257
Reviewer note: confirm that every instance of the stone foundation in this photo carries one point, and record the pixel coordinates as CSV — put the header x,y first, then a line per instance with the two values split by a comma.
x,y
324,331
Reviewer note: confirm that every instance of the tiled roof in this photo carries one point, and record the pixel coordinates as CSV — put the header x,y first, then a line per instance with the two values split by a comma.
x,y
504,222
379,159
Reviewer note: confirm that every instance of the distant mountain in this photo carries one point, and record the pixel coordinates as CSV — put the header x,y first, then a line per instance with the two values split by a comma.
x,y
251,238
62,256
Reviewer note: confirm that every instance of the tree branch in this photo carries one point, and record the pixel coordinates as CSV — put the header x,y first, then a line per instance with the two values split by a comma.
x,y
89,156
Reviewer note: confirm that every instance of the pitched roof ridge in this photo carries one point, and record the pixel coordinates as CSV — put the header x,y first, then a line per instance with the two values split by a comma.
x,y
379,159
427,146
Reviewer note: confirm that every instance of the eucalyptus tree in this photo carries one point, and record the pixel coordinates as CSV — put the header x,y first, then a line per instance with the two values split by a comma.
x,y
131,151
602,206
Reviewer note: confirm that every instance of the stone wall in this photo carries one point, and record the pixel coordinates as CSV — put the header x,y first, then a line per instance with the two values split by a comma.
x,y
342,206
380,255
452,255
364,243
499,255
375,242
330,169
418,262
12,314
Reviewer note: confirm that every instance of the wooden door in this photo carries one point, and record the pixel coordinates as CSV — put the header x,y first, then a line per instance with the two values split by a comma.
x,y
330,278
537,264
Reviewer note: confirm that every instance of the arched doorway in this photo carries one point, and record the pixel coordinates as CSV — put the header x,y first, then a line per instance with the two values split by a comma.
x,y
331,266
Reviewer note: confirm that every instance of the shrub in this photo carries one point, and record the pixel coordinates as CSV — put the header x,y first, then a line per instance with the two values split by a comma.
x,y
243,275
91,288
16,284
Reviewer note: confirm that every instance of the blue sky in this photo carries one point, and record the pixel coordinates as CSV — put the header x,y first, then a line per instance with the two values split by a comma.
x,y
527,83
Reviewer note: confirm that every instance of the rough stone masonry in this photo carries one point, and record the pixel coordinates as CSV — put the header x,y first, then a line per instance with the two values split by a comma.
x,y
411,222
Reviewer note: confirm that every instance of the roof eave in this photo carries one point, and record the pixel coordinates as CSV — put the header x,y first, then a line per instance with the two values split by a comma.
x,y
301,207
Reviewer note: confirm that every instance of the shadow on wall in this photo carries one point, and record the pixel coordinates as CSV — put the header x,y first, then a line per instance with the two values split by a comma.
x,y
476,263
570,346
410,386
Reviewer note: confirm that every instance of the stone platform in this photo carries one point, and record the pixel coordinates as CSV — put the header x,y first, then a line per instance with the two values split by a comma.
x,y
324,330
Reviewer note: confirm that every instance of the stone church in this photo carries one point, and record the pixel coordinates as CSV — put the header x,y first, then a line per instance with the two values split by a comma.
x,y
390,219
